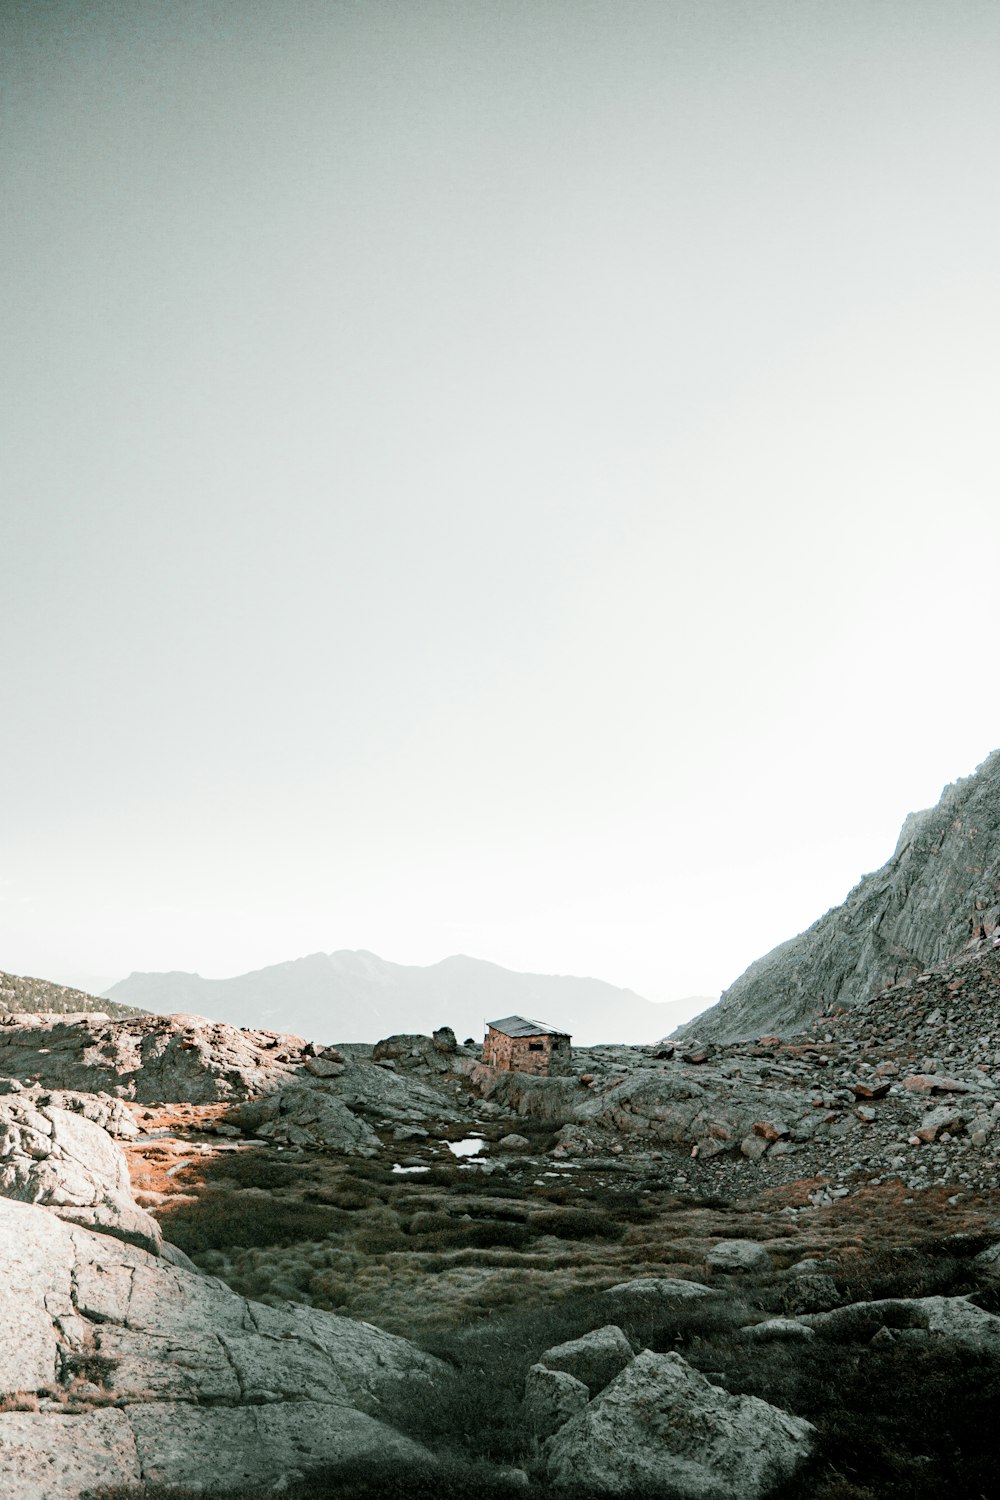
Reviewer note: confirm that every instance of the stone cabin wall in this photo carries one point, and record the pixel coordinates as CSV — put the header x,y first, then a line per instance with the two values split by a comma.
x,y
544,1055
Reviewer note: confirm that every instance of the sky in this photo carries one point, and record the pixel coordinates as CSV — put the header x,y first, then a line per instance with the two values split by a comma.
x,y
506,478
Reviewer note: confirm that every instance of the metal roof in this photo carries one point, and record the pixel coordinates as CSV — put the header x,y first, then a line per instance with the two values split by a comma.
x,y
519,1026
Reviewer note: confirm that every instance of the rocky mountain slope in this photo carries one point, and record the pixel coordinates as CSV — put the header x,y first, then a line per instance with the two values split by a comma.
x,y
18,993
940,889
358,997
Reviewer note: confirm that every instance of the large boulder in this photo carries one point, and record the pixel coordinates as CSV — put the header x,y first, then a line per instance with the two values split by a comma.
x,y
51,1156
661,1425
208,1389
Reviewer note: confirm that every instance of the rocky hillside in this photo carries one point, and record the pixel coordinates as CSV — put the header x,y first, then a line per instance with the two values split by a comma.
x,y
20,994
940,889
359,997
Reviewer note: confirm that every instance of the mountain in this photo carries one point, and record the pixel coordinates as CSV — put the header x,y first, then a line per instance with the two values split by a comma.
x,y
358,997
21,994
940,889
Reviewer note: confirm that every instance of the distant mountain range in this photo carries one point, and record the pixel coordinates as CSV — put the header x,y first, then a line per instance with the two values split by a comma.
x,y
358,997
939,891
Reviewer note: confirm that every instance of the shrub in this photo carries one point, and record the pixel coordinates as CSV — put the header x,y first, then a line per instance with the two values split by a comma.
x,y
575,1224
938,1267
219,1219
87,1364
257,1167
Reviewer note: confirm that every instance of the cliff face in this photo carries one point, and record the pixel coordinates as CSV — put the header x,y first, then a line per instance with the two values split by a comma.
x,y
940,890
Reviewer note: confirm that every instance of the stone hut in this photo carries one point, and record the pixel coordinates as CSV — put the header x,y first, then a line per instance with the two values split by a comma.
x,y
518,1045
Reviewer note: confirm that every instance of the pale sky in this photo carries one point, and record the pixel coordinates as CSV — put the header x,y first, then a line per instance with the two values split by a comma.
x,y
506,478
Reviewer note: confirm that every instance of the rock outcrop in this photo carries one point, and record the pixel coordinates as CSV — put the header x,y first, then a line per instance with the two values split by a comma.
x,y
662,1102
51,1156
940,889
342,1112
129,1369
147,1058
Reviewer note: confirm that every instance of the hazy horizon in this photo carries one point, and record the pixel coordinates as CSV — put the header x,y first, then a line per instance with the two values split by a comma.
x,y
488,478
681,1008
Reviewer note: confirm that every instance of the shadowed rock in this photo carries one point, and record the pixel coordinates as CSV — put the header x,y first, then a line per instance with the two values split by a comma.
x,y
661,1424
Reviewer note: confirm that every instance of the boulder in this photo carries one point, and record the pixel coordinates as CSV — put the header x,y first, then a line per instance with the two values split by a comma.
x,y
945,1117
414,1052
304,1115
514,1142
654,1291
595,1359
662,1425
754,1146
961,1320
738,1256
323,1067
813,1292
935,1083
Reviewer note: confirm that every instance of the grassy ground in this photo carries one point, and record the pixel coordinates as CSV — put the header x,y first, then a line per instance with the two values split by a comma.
x,y
488,1272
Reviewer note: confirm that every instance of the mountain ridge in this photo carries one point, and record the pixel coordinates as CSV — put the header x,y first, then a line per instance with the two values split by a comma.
x,y
353,995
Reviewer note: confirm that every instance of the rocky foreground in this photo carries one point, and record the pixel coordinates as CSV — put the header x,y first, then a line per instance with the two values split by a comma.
x,y
238,1262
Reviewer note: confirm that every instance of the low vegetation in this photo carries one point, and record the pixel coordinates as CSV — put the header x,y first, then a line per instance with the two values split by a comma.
x,y
897,1417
